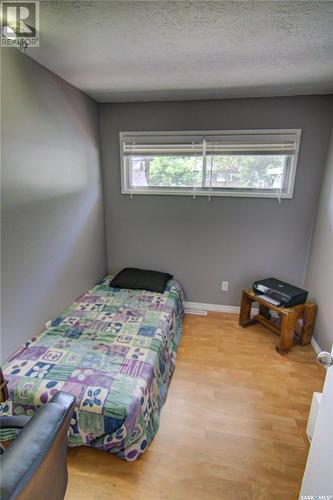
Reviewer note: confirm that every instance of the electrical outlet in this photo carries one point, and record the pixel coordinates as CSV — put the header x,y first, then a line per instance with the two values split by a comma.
x,y
225,286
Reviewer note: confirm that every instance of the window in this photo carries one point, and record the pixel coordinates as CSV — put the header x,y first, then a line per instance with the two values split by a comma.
x,y
225,163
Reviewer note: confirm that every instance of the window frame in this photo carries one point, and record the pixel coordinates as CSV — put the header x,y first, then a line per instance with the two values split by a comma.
x,y
211,192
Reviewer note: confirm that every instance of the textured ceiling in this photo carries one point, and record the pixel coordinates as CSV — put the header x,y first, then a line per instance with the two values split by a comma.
x,y
150,50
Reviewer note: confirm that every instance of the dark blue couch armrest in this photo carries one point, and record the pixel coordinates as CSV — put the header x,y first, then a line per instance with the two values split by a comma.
x,y
35,465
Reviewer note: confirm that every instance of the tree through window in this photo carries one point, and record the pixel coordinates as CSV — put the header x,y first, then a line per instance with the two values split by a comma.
x,y
219,163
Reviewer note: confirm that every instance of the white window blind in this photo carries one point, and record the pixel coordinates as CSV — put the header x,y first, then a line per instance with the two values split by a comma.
x,y
229,163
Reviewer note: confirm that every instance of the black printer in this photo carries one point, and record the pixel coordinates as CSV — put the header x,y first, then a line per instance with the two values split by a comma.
x,y
280,293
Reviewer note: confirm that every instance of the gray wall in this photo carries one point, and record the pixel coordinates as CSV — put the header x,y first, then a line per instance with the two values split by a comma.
x,y
202,242
53,243
319,277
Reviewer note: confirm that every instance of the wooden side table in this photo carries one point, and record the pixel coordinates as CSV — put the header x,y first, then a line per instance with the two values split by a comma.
x,y
3,388
288,319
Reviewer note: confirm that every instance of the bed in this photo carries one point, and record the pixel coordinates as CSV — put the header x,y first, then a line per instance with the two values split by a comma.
x,y
115,350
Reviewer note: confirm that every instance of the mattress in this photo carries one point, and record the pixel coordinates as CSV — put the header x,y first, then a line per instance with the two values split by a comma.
x,y
115,350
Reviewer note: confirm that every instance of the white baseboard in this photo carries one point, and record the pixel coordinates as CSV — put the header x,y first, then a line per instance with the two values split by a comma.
x,y
315,345
201,308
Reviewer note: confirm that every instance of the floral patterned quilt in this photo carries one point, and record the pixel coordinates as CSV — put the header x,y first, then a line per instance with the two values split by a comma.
x,y
114,349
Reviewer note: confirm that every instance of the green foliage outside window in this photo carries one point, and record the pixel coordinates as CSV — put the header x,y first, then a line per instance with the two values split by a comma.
x,y
248,171
174,171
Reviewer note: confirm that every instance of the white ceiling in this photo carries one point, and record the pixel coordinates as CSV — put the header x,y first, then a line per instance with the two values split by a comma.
x,y
152,50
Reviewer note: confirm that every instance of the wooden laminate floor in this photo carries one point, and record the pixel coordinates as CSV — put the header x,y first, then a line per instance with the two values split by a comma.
x,y
233,426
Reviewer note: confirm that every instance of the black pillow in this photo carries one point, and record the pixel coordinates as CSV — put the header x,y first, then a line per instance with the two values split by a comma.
x,y
140,279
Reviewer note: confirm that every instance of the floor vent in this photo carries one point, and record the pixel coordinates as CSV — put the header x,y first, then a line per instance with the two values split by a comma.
x,y
197,312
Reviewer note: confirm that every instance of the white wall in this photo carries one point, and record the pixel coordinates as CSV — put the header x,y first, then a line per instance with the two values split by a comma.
x,y
319,277
52,224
